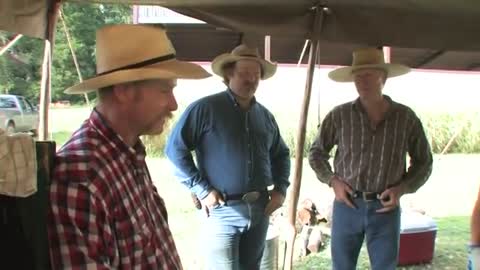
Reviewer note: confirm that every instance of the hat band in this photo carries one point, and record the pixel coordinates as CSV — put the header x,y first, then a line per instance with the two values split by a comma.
x,y
141,64
249,55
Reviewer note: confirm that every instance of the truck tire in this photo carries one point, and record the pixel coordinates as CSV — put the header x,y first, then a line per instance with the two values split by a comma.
x,y
10,128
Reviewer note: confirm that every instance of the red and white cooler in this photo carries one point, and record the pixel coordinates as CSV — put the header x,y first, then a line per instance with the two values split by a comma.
x,y
417,238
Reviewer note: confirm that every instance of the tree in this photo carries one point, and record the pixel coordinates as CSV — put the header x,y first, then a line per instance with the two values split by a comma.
x,y
82,21
19,67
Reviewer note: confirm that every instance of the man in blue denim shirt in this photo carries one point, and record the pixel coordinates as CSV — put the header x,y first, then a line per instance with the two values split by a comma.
x,y
474,246
239,154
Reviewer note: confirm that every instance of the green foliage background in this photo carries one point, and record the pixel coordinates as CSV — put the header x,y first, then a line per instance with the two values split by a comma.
x,y
82,20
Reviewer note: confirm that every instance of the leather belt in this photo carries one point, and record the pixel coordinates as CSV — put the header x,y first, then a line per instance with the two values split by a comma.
x,y
366,196
248,197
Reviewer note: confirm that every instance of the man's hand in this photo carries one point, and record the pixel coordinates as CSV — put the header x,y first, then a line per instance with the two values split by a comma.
x,y
276,201
213,199
342,191
390,198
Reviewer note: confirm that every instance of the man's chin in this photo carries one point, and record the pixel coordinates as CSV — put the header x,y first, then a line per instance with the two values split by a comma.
x,y
156,129
153,132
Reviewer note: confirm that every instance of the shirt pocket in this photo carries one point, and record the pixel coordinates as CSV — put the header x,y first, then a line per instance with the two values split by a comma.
x,y
133,231
261,153
263,139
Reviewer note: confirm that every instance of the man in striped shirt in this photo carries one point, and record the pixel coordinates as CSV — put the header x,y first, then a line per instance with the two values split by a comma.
x,y
373,135
105,212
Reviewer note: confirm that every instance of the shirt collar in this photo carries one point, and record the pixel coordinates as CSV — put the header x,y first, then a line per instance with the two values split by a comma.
x,y
98,122
232,98
357,104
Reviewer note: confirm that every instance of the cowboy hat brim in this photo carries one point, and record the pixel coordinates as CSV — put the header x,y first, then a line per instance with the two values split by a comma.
x,y
268,68
170,69
345,74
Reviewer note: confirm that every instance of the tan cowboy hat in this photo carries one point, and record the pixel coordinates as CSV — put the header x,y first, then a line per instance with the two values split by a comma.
x,y
242,52
127,53
367,58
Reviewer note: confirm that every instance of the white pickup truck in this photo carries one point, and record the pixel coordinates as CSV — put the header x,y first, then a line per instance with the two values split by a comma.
x,y
17,114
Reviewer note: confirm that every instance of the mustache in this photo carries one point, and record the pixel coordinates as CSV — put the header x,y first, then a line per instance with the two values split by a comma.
x,y
168,116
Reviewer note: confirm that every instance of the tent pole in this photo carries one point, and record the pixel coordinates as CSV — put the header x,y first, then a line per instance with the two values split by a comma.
x,y
10,43
72,51
303,52
387,51
45,88
267,48
297,177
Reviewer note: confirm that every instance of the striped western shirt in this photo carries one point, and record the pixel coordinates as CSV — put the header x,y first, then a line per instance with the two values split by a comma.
x,y
105,212
372,159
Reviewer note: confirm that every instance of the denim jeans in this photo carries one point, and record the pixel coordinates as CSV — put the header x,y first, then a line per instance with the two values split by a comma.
x,y
351,226
473,257
234,235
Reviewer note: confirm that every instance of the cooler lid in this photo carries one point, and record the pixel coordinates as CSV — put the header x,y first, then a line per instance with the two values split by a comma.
x,y
413,222
273,232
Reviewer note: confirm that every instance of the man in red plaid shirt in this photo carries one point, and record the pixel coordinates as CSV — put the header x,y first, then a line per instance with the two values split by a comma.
x,y
105,212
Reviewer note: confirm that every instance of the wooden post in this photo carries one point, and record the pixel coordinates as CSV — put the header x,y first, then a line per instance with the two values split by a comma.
x,y
45,88
267,48
387,52
297,177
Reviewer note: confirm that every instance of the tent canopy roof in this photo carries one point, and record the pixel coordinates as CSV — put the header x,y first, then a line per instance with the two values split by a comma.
x,y
428,33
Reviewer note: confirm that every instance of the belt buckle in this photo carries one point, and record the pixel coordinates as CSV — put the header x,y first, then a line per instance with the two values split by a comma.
x,y
366,198
250,197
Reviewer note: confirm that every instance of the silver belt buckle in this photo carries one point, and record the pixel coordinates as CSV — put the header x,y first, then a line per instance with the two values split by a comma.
x,y
250,197
365,194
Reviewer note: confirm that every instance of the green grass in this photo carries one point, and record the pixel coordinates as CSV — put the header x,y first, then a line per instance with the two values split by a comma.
x,y
439,197
450,214
450,249
60,137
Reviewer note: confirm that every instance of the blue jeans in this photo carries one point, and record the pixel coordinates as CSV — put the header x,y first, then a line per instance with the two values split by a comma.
x,y
234,235
351,226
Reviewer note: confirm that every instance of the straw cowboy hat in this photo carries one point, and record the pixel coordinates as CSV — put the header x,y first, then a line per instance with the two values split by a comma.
x,y
127,53
242,52
367,58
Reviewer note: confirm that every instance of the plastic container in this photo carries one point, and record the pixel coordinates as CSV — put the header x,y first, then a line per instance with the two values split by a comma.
x,y
417,239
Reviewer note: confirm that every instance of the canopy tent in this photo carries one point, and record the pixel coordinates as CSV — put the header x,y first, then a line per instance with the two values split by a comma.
x,y
287,50
434,24
439,34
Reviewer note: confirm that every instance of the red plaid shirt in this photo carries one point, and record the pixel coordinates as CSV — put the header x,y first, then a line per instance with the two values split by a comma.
x,y
105,212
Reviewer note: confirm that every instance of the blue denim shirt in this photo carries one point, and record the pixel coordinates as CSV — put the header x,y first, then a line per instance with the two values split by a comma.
x,y
236,151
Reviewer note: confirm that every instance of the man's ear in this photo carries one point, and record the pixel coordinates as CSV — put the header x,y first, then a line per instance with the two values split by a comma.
x,y
123,92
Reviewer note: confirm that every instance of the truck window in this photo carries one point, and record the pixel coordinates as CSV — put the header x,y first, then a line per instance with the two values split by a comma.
x,y
7,103
25,106
28,104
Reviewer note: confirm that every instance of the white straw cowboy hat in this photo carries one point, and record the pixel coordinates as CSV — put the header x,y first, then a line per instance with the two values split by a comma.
x,y
242,52
367,58
127,53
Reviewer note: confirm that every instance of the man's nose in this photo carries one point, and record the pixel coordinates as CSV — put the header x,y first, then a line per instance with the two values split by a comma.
x,y
251,77
172,103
